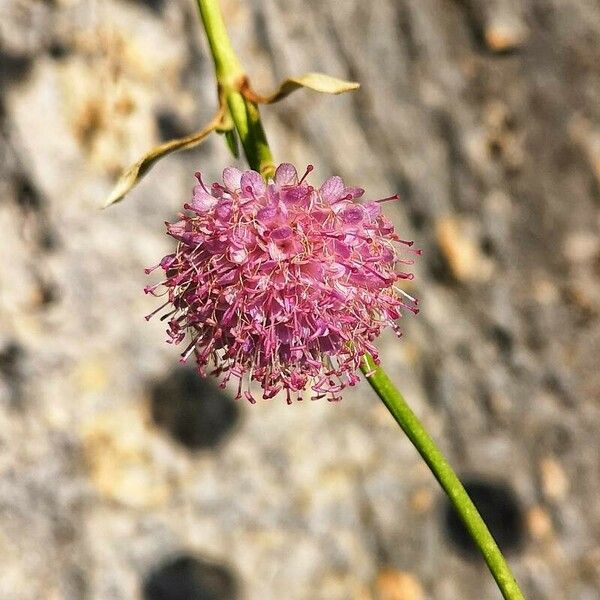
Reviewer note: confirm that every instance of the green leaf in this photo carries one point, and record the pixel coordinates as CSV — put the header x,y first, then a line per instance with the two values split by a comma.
x,y
132,176
317,82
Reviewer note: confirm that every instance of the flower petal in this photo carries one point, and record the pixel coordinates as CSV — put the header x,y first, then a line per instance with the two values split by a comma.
x,y
202,201
286,174
267,214
332,189
281,234
354,192
232,178
252,184
352,215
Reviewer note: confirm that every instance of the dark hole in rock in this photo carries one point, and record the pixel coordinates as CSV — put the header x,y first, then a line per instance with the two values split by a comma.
x,y
49,239
418,219
14,67
488,247
57,50
10,358
155,6
500,509
561,385
170,126
463,351
27,196
503,338
192,409
555,439
495,148
187,577
49,293
438,268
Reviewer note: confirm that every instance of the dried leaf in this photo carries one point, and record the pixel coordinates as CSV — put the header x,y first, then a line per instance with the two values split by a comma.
x,y
312,81
131,177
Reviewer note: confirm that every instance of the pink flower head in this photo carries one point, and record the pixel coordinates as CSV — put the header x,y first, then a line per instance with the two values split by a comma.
x,y
281,282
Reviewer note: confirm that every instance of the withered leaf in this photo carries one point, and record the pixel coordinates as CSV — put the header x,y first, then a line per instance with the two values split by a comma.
x,y
132,176
317,82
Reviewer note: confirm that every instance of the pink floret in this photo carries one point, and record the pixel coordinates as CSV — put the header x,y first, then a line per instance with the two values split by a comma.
x,y
282,283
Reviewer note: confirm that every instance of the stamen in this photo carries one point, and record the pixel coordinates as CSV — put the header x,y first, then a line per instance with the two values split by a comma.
x,y
394,197
198,176
165,317
149,270
309,168
186,353
250,190
343,199
148,317
401,291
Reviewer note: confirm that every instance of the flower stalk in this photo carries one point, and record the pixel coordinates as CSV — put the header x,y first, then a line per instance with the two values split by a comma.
x,y
447,478
245,115
230,78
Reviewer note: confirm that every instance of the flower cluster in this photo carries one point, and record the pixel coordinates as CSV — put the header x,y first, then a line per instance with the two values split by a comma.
x,y
281,282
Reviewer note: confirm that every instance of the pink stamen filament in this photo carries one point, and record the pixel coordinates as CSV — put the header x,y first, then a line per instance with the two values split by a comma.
x,y
309,168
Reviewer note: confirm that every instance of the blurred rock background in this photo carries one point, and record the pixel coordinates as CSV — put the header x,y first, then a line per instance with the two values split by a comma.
x,y
122,475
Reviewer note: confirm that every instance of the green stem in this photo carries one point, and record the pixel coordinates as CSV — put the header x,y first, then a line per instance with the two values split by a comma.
x,y
443,472
246,118
230,76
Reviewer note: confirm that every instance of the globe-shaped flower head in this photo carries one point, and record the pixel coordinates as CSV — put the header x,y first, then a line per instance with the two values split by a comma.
x,y
281,282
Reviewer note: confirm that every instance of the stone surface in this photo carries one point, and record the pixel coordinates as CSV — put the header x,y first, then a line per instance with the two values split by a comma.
x,y
483,116
396,585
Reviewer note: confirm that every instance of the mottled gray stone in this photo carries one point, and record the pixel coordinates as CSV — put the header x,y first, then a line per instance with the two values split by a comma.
x,y
483,116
